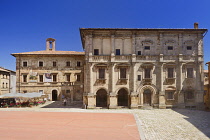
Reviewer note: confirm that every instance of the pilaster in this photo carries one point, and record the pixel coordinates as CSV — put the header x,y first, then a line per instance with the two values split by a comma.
x,y
113,101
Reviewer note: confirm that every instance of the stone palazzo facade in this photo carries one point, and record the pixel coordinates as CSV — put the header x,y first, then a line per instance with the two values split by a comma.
x,y
143,67
54,73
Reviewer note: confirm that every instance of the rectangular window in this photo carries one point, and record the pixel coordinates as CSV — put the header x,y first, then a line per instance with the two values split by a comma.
x,y
101,73
24,78
147,73
67,91
54,64
189,72
41,91
170,72
40,78
78,78
40,64
78,64
122,73
96,51
139,77
54,76
170,95
170,47
117,51
25,64
147,47
189,47
68,77
139,52
68,63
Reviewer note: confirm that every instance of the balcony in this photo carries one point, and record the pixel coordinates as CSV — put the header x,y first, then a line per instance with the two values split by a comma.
x,y
170,81
147,81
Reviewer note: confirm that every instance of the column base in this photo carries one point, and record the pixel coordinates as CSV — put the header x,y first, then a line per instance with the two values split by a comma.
x,y
91,107
113,107
134,106
162,106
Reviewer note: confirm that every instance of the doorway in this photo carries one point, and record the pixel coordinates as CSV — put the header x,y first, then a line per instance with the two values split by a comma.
x,y
147,97
101,98
54,95
122,97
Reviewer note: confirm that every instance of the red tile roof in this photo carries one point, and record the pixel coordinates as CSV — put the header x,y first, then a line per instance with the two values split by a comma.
x,y
50,53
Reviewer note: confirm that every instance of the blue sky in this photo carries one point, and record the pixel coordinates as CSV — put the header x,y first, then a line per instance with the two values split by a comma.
x,y
25,24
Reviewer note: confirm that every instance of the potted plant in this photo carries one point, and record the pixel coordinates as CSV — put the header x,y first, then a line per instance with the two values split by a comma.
x,y
18,105
31,104
6,105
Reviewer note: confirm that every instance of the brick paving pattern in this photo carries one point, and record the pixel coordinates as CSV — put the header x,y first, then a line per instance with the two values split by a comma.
x,y
154,124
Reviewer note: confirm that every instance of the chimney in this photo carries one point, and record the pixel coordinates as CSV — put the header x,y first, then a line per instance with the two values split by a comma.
x,y
50,44
195,25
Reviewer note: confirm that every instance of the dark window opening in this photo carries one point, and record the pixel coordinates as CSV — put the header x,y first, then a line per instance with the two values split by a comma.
x,y
54,78
139,77
189,72
147,73
147,47
139,52
170,95
40,78
117,51
101,73
24,64
78,78
189,47
170,72
54,64
24,78
68,64
67,91
68,77
40,64
190,95
170,47
96,51
78,64
122,73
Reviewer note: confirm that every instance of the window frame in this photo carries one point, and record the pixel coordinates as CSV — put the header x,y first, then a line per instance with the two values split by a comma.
x,y
41,81
117,52
149,72
25,78
78,63
146,47
123,73
40,62
96,52
101,73
190,72
54,64
170,48
68,64
167,95
172,72
189,48
25,62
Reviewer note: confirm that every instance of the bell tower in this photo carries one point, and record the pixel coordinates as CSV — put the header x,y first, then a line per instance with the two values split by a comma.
x,y
50,44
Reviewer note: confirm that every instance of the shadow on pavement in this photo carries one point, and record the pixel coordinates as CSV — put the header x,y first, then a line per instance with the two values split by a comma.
x,y
59,104
200,119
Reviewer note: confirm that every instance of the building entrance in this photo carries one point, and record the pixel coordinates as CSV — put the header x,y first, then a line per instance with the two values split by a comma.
x,y
101,98
147,97
122,97
54,95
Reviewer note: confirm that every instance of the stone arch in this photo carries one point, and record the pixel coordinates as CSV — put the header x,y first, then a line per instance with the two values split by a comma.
x,y
123,97
144,91
101,98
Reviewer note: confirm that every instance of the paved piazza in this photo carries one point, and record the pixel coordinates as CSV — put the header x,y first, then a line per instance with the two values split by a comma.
x,y
154,124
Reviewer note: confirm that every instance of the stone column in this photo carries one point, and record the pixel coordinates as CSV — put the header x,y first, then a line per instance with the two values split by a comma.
x,y
112,44
113,101
134,44
199,86
134,99
102,51
90,44
91,101
113,96
162,101
181,103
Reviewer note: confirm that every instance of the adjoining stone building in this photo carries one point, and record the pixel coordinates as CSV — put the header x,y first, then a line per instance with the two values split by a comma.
x,y
7,81
207,87
140,67
54,73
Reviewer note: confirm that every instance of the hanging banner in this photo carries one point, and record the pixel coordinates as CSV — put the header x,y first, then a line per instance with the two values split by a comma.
x,y
47,77
32,76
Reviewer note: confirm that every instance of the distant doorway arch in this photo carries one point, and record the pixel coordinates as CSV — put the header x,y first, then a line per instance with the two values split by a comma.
x,y
147,97
122,98
101,98
54,95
